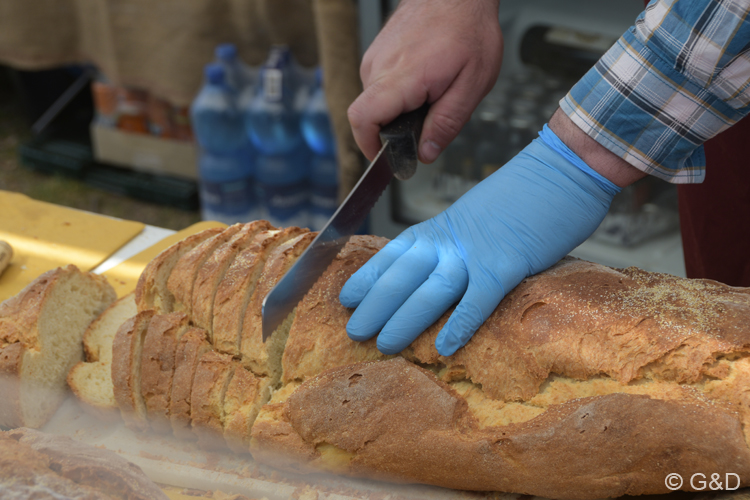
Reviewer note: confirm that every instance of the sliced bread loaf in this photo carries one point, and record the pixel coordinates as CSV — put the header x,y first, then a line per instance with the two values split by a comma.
x,y
126,369
212,272
157,366
181,280
191,347
104,471
212,377
41,332
26,474
245,395
236,288
264,358
151,292
91,380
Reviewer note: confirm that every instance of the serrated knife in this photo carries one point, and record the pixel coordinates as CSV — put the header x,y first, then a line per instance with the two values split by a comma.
x,y
397,158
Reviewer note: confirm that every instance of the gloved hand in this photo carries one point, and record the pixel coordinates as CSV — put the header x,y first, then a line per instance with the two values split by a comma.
x,y
517,222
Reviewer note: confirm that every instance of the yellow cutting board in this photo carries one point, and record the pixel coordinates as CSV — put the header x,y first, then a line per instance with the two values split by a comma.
x,y
124,276
45,236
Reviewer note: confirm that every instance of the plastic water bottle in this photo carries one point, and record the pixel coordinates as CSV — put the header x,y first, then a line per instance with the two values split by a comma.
x,y
239,76
318,134
226,163
283,162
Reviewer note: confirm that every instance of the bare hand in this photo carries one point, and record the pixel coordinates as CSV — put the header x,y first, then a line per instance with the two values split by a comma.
x,y
445,52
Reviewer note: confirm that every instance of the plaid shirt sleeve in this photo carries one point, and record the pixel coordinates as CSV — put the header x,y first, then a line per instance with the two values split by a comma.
x,y
677,78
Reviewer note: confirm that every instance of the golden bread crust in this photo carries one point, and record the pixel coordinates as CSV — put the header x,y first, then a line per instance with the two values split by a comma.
x,y
126,355
11,359
157,366
87,466
151,290
317,340
212,272
182,278
191,347
242,401
212,376
255,352
375,414
236,288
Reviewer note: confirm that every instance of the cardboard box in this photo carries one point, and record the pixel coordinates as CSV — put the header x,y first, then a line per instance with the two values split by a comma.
x,y
145,153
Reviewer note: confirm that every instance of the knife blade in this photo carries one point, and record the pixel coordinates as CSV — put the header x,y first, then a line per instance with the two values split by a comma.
x,y
397,157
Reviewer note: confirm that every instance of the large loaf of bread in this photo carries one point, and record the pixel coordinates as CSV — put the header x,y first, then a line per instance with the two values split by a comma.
x,y
586,382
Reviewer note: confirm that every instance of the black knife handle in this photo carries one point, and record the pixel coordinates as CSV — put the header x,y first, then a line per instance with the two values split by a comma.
x,y
402,135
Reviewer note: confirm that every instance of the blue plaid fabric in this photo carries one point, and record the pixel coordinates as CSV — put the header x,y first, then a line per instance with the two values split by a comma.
x,y
677,78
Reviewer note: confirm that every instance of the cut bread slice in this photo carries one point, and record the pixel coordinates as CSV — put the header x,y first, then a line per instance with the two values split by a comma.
x,y
91,380
191,347
41,332
212,377
151,292
264,358
213,270
237,287
157,366
181,280
104,472
126,369
245,396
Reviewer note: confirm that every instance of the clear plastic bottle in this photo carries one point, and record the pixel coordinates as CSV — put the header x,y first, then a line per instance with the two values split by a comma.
x,y
239,75
319,136
283,161
226,163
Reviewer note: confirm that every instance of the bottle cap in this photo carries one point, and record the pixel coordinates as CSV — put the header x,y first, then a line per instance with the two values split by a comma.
x,y
226,52
214,73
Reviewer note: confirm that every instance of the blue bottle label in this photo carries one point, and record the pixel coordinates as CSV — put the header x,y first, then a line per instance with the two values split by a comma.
x,y
286,205
233,198
324,198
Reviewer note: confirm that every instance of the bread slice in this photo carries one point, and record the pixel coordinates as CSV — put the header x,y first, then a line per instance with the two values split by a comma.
x,y
212,272
126,369
26,474
191,347
41,332
212,377
151,292
245,396
91,380
103,471
264,358
182,278
317,339
157,366
237,286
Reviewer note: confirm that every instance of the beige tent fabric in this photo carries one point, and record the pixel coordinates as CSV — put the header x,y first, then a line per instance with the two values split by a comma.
x,y
339,54
162,45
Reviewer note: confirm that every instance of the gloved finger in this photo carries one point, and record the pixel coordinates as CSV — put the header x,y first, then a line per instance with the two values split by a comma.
x,y
441,290
357,286
475,307
380,103
390,292
448,115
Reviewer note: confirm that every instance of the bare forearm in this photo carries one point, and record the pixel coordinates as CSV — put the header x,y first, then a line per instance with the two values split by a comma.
x,y
594,154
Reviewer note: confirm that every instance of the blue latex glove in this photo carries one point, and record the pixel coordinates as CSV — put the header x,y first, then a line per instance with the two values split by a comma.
x,y
517,222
